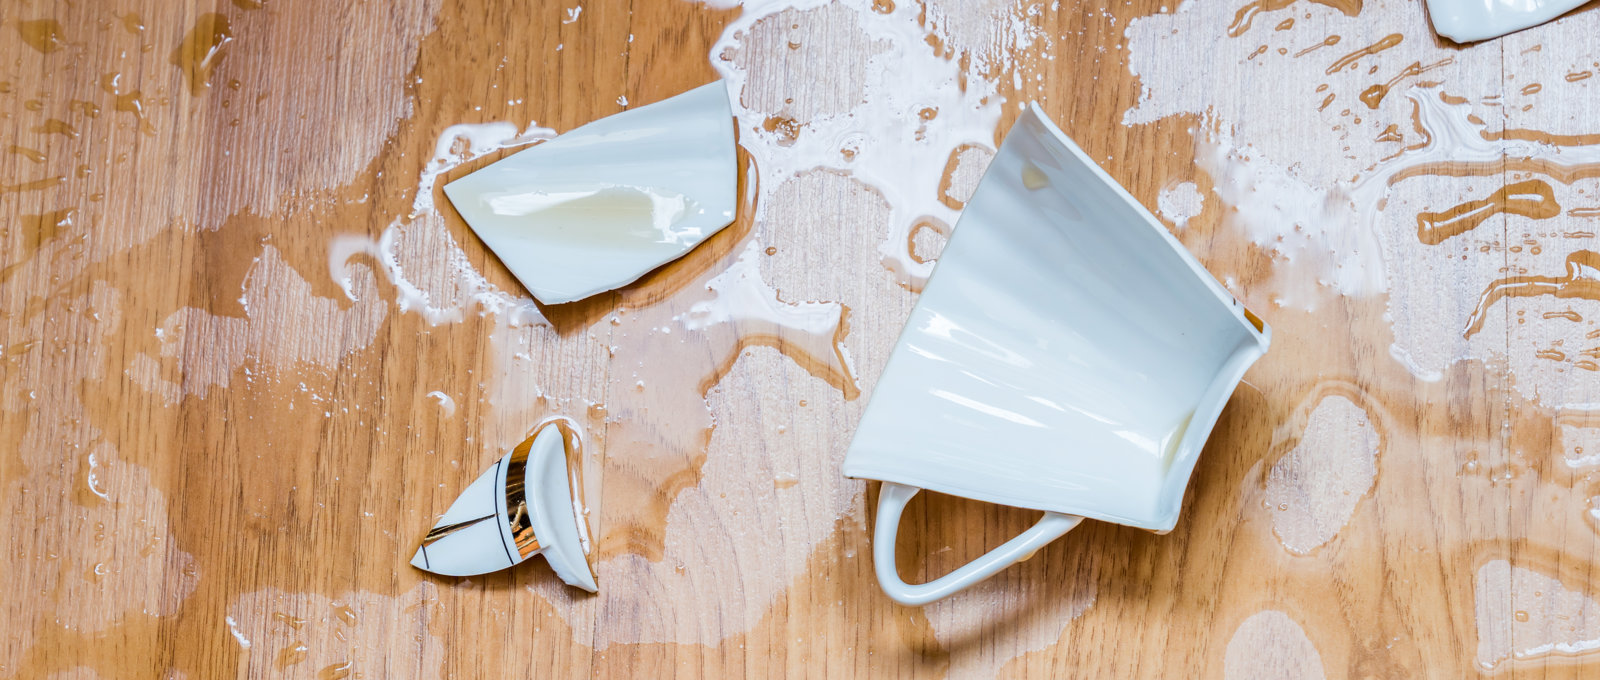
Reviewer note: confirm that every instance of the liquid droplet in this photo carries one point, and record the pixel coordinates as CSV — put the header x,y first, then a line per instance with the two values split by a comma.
x,y
56,126
202,50
43,35
291,655
337,671
30,154
132,22
131,101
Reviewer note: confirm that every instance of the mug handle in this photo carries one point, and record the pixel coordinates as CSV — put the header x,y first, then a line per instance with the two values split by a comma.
x,y
892,500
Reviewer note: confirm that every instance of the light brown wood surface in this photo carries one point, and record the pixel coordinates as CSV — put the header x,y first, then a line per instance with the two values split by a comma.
x,y
227,422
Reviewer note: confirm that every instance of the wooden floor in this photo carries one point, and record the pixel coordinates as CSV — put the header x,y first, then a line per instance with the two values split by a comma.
x,y
248,353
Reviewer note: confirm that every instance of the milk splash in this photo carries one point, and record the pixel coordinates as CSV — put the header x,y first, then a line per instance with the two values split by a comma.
x,y
1339,228
446,283
744,299
1328,174
1271,644
905,80
1313,490
1525,614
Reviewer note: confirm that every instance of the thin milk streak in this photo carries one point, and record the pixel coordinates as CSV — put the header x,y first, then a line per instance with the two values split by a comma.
x,y
1525,614
1271,644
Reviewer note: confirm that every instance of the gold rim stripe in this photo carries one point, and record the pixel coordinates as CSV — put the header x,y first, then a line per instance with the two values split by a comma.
x,y
439,532
517,501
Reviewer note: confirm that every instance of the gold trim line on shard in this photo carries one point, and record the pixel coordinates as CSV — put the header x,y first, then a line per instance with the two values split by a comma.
x,y
439,532
517,500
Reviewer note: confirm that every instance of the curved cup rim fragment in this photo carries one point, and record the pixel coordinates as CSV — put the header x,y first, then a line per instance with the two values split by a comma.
x,y
519,507
600,206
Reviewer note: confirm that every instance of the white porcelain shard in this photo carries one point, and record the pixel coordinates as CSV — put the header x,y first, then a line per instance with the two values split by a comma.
x,y
520,507
1067,355
1467,21
600,206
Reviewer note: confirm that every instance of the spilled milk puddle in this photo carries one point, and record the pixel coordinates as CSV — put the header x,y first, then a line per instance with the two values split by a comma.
x,y
1416,222
1412,219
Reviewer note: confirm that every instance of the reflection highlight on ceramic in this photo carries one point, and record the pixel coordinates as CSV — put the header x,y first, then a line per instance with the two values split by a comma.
x,y
597,207
1092,400
523,505
1467,21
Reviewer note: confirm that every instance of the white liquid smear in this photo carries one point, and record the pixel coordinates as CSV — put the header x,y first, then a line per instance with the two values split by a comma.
x,y
1547,342
971,162
1329,183
1179,203
1029,606
417,253
1313,490
850,122
1580,443
1524,614
1274,102
743,299
903,81
444,401
1271,646
991,32
372,635
284,325
767,537
1341,233
96,526
233,629
1341,230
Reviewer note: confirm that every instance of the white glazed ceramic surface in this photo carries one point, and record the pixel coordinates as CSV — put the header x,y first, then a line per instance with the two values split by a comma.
x,y
1470,20
598,207
1067,355
520,507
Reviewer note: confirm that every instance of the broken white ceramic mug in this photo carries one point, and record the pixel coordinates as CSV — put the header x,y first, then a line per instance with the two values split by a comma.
x,y
1467,21
1067,355
600,206
520,507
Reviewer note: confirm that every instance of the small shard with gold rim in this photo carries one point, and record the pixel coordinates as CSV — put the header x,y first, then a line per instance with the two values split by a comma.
x,y
520,507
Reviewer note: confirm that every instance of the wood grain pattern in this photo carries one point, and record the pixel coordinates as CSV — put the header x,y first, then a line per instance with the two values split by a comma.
x,y
244,364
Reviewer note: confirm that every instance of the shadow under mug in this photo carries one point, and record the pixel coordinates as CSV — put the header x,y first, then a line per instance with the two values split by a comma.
x,y
1067,355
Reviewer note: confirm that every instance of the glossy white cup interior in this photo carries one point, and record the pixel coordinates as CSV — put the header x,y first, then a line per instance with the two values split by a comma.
x,y
1067,355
